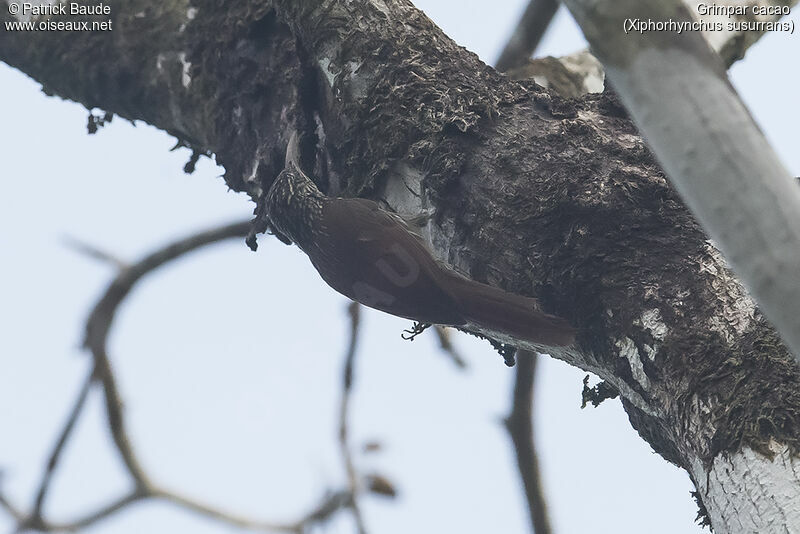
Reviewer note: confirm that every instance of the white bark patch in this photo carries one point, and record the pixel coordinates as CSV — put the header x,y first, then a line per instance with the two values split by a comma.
x,y
403,189
738,309
251,179
320,131
586,65
324,65
651,321
627,349
698,423
165,63
191,13
186,79
358,83
403,193
747,492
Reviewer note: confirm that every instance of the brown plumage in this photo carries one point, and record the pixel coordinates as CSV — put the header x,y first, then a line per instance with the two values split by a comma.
x,y
372,256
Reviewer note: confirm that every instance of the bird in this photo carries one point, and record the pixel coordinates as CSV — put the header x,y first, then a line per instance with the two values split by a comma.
x,y
374,257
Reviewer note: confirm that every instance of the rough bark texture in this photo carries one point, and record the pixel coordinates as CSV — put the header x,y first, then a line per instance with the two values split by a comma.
x,y
749,492
714,152
552,198
676,89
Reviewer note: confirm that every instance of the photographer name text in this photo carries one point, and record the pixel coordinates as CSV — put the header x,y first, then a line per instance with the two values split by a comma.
x,y
42,17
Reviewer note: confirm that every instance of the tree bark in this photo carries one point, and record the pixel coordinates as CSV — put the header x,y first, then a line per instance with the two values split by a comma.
x,y
551,198
677,91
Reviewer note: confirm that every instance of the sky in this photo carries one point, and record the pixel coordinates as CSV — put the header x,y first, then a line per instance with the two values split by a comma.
x,y
230,361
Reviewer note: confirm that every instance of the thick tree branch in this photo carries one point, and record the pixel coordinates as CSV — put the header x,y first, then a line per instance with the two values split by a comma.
x,y
676,89
715,154
519,422
560,200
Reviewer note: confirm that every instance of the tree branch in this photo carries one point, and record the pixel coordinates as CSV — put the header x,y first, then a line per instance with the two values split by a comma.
x,y
55,455
528,33
445,343
554,199
519,424
676,89
99,324
715,155
224,517
353,479
97,329
88,519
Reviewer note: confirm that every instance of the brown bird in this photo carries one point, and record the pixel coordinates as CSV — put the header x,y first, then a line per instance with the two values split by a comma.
x,y
373,257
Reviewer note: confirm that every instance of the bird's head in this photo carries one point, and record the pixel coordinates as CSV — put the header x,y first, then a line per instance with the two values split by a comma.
x,y
294,204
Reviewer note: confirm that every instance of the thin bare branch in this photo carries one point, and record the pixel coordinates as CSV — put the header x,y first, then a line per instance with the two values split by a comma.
x,y
224,516
331,504
528,33
93,252
353,481
31,522
89,519
115,415
102,316
12,510
448,348
55,455
520,426
97,329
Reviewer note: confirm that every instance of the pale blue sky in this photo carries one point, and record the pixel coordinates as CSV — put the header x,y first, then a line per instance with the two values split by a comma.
x,y
229,361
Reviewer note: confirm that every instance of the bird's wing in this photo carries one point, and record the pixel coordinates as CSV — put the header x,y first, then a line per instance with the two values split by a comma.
x,y
380,262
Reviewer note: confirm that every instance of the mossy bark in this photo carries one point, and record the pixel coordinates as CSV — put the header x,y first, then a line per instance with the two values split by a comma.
x,y
557,199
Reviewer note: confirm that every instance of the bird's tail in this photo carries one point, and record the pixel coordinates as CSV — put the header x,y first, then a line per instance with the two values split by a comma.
x,y
511,314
